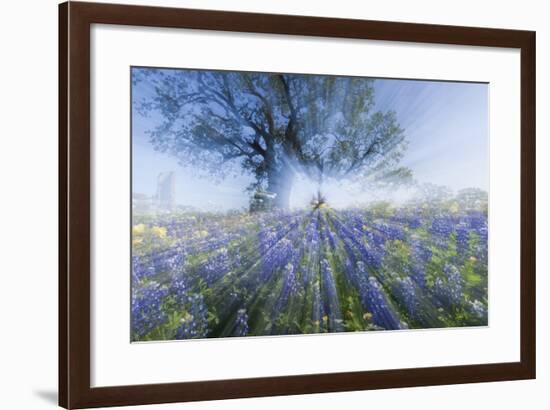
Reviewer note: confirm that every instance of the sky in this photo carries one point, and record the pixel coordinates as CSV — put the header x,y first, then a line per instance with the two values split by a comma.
x,y
446,124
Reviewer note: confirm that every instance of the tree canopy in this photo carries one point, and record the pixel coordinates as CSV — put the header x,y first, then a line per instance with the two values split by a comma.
x,y
272,126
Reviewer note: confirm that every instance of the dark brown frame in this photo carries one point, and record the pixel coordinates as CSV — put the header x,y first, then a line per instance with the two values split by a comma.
x,y
74,204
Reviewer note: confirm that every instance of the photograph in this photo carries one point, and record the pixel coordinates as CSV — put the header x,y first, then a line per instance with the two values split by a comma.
x,y
276,204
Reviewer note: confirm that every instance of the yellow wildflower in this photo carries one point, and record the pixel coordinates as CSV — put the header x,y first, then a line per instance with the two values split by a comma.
x,y
138,229
159,231
200,234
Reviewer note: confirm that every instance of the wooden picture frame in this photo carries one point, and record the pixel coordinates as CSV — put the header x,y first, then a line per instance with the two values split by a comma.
x,y
75,20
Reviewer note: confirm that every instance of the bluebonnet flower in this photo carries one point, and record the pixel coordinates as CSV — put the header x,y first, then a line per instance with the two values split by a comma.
x,y
241,323
420,256
179,289
215,267
406,290
377,304
332,305
390,232
147,311
478,309
328,235
414,222
318,308
376,239
372,255
194,323
478,224
462,238
138,272
276,258
442,225
290,287
374,300
448,289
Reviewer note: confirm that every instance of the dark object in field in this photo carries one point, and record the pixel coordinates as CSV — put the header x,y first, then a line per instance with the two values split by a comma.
x,y
318,201
262,201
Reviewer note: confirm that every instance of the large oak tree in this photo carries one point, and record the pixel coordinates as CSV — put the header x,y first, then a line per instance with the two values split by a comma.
x,y
273,126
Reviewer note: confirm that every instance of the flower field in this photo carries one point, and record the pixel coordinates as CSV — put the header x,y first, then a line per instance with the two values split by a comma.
x,y
320,270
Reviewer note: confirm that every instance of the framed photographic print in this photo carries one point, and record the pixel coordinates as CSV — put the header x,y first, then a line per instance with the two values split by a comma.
x,y
255,205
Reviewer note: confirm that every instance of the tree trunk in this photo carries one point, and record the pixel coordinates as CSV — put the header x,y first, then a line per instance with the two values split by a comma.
x,y
279,182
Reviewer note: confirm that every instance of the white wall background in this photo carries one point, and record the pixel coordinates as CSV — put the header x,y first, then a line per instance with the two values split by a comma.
x,y
28,202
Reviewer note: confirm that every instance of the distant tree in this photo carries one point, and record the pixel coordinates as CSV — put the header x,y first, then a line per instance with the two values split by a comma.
x,y
272,126
432,193
472,198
